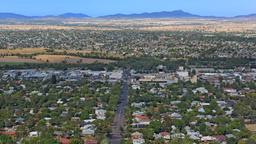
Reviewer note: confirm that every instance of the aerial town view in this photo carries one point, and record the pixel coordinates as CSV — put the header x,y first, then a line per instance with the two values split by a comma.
x,y
128,72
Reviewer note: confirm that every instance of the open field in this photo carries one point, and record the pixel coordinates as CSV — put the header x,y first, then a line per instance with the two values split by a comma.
x,y
43,55
207,25
15,59
176,38
22,51
74,51
251,127
69,59
52,59
85,52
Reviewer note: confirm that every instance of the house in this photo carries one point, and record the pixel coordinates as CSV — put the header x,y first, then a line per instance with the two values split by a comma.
x,y
63,140
178,136
201,110
138,105
10,133
19,120
208,139
140,120
200,90
183,75
60,101
176,116
100,114
221,104
164,135
137,138
34,134
88,121
88,129
231,92
193,79
220,138
90,140
116,75
135,87
192,134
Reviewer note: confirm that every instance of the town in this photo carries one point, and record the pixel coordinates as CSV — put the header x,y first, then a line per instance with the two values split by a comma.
x,y
188,105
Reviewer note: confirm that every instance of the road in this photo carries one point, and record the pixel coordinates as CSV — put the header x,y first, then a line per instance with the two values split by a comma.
x,y
116,135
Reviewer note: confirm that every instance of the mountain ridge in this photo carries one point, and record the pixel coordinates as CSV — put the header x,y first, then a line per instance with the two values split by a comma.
x,y
162,14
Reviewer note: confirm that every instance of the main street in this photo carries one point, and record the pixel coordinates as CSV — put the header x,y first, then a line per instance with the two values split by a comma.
x,y
116,135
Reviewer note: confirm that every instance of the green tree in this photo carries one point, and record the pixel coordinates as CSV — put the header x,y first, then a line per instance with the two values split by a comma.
x,y
6,140
76,141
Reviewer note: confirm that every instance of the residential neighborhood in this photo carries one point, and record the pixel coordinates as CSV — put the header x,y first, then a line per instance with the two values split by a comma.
x,y
176,107
63,106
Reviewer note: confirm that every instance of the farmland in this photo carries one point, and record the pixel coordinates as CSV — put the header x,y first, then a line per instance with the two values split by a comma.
x,y
22,51
44,55
15,59
69,59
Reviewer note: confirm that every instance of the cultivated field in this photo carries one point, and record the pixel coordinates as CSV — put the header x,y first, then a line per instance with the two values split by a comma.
x,y
73,51
22,51
69,59
43,55
16,59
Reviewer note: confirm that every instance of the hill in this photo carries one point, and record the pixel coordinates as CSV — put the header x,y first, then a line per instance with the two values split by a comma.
x,y
65,15
73,15
246,16
12,16
163,14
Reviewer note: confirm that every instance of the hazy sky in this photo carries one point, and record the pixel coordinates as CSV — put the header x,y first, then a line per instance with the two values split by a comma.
x,y
105,7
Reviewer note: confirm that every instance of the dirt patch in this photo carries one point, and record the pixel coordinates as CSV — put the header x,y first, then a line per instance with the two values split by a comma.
x,y
22,51
15,59
69,59
251,127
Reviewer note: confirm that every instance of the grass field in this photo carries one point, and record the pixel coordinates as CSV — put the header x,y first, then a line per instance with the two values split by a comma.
x,y
69,59
22,51
74,51
43,55
16,59
167,24
251,127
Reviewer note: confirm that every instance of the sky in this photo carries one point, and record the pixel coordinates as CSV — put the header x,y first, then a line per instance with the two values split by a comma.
x,y
106,7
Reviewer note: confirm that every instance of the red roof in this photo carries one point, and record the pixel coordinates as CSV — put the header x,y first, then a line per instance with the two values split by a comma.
x,y
220,138
142,118
63,140
163,134
8,133
90,141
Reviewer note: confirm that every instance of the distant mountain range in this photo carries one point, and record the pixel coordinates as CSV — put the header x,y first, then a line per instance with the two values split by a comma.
x,y
247,16
12,16
65,15
164,14
73,15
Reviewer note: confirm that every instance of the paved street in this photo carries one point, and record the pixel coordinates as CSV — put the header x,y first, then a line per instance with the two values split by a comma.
x,y
116,135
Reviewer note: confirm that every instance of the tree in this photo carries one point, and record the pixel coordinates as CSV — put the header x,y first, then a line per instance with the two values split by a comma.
x,y
40,140
6,140
148,133
76,141
54,79
252,139
104,141
242,141
156,125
